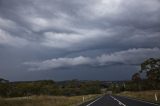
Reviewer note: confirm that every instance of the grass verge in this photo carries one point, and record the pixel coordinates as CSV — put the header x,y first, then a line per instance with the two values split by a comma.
x,y
45,100
144,95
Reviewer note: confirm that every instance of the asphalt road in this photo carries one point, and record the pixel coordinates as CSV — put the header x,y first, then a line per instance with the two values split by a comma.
x,y
109,100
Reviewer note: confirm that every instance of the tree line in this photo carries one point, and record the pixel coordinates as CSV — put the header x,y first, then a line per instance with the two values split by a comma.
x,y
48,87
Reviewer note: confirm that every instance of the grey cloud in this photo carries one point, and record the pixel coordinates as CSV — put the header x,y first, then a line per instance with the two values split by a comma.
x,y
128,57
6,38
74,40
80,19
59,63
7,24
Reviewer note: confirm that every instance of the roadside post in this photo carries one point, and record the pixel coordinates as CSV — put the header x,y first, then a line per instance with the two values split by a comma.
x,y
156,99
83,98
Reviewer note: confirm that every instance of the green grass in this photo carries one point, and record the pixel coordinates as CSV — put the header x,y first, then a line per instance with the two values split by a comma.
x,y
45,100
144,95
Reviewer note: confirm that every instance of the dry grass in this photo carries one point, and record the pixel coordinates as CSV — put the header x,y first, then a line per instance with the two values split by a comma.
x,y
45,100
145,95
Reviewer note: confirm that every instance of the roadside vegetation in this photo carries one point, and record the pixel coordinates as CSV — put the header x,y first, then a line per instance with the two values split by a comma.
x,y
64,93
46,100
143,95
48,87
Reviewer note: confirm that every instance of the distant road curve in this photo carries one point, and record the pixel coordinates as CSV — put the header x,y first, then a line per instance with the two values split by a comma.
x,y
109,100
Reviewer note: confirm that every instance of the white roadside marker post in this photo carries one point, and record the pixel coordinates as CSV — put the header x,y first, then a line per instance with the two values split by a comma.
x,y
83,98
156,99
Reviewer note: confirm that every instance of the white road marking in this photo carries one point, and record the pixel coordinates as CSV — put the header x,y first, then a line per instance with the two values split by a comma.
x,y
94,101
120,103
140,100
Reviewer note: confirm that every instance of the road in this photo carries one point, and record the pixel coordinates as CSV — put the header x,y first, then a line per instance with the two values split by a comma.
x,y
109,100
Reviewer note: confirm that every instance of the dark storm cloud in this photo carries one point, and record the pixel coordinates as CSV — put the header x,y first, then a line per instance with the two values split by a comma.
x,y
61,33
60,24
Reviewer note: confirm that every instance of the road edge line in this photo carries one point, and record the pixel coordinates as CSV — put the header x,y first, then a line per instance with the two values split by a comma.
x,y
94,101
120,103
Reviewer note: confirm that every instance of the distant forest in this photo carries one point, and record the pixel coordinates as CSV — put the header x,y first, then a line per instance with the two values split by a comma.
x,y
150,68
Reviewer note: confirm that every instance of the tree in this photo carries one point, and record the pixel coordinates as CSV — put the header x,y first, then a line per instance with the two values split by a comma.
x,y
152,69
136,77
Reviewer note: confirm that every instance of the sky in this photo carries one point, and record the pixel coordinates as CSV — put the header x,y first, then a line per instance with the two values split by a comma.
x,y
77,39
